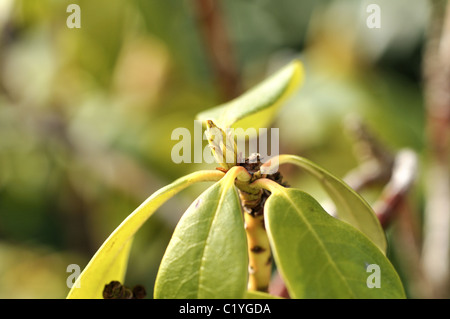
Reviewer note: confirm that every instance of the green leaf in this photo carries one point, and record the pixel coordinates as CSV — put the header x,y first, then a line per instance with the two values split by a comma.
x,y
109,262
250,294
351,207
257,107
320,256
207,255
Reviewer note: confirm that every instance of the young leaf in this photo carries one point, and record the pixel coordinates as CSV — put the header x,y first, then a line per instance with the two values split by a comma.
x,y
207,255
351,207
320,256
109,262
223,146
256,107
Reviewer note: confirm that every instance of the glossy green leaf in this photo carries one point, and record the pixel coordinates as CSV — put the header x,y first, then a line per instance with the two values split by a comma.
x,y
257,107
109,262
320,256
207,255
351,207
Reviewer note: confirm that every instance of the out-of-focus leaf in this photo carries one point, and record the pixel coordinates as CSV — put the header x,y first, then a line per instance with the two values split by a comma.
x,y
207,255
257,107
320,256
351,207
109,262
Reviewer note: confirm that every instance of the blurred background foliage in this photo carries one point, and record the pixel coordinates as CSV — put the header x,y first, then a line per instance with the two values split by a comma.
x,y
86,115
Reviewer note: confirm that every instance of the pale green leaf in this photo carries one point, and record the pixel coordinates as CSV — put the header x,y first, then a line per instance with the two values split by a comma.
x,y
118,268
320,256
109,262
207,255
351,207
257,107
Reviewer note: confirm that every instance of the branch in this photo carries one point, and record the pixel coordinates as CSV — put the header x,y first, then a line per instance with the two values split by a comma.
x,y
218,46
436,73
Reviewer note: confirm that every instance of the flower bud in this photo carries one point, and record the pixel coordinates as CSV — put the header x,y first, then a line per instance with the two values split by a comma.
x,y
222,145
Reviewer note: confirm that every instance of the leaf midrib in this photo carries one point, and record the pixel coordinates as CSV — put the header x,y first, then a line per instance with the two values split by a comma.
x,y
202,260
329,186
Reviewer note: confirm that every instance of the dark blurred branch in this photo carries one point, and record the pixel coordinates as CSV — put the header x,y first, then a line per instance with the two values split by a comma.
x,y
436,73
408,239
218,46
376,162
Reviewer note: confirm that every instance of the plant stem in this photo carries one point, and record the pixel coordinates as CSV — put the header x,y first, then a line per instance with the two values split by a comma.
x,y
267,184
260,255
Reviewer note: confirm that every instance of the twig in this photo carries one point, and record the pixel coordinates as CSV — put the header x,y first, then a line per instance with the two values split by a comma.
x,y
379,166
218,46
376,162
436,69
